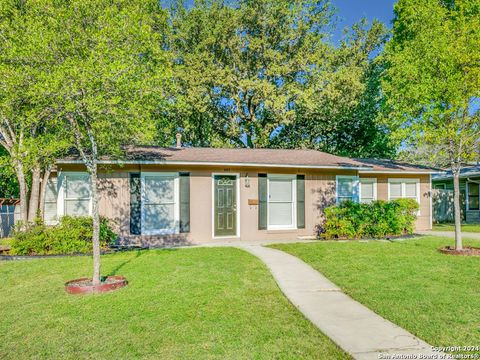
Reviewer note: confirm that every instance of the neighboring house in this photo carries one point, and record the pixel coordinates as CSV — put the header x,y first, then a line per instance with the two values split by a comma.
x,y
469,191
192,195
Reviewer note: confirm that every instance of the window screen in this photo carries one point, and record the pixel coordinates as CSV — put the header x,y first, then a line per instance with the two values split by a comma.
x,y
159,203
367,190
345,188
403,188
280,202
77,194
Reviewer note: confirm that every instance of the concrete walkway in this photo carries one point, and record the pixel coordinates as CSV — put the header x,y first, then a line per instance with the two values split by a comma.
x,y
465,235
353,327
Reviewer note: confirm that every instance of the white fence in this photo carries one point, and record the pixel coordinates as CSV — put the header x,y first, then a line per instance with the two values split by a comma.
x,y
8,216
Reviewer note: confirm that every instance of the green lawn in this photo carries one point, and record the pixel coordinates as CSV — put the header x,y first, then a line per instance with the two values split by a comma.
x,y
451,227
217,303
6,241
434,296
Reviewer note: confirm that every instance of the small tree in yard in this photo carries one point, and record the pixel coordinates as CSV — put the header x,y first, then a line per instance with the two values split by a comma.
x,y
109,80
432,83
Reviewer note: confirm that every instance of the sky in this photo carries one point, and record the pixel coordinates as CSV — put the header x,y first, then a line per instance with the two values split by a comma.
x,y
350,11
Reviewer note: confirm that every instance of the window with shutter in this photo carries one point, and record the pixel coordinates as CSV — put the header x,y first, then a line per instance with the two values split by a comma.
x,y
135,204
281,201
300,201
160,203
184,202
262,201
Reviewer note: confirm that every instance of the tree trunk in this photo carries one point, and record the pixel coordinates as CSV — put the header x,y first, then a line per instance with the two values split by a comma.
x,y
96,226
43,191
457,213
22,184
34,194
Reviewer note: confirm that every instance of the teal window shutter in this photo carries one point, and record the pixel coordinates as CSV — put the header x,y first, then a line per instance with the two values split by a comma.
x,y
184,202
262,201
135,204
300,201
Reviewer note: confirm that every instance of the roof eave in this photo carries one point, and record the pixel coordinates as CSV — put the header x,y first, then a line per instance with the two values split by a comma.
x,y
370,171
450,177
214,163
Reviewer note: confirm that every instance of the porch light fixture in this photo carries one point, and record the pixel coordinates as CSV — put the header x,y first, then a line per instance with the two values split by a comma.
x,y
247,180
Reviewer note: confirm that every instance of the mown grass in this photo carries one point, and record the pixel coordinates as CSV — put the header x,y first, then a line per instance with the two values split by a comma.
x,y
218,303
451,227
6,241
433,295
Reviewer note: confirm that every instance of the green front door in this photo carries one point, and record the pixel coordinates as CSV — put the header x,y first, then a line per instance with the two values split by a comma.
x,y
225,206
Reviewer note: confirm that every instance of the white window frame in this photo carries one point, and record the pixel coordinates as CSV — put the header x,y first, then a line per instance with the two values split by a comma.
x,y
403,182
355,187
293,179
367,181
57,183
176,209
62,189
237,180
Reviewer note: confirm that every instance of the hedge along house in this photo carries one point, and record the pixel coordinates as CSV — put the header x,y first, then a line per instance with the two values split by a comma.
x,y
161,196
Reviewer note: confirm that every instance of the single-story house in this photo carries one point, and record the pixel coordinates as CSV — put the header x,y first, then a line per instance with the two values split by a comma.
x,y
159,196
469,191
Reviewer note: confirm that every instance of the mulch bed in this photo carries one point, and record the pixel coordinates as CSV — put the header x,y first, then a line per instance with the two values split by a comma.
x,y
85,285
466,251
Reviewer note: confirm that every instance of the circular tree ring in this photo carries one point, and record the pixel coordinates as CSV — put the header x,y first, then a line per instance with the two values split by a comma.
x,y
85,286
466,251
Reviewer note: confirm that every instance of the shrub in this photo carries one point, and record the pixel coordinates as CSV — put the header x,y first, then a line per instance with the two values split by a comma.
x,y
350,220
72,235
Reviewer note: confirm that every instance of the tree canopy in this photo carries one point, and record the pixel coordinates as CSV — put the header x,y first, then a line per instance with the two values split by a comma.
x,y
340,112
266,74
29,129
432,81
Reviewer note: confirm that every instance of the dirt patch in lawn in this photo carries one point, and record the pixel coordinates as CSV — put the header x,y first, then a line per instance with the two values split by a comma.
x,y
466,251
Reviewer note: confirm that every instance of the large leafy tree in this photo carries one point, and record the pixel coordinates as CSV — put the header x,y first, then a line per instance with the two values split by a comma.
x,y
265,73
339,112
432,83
29,132
242,65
